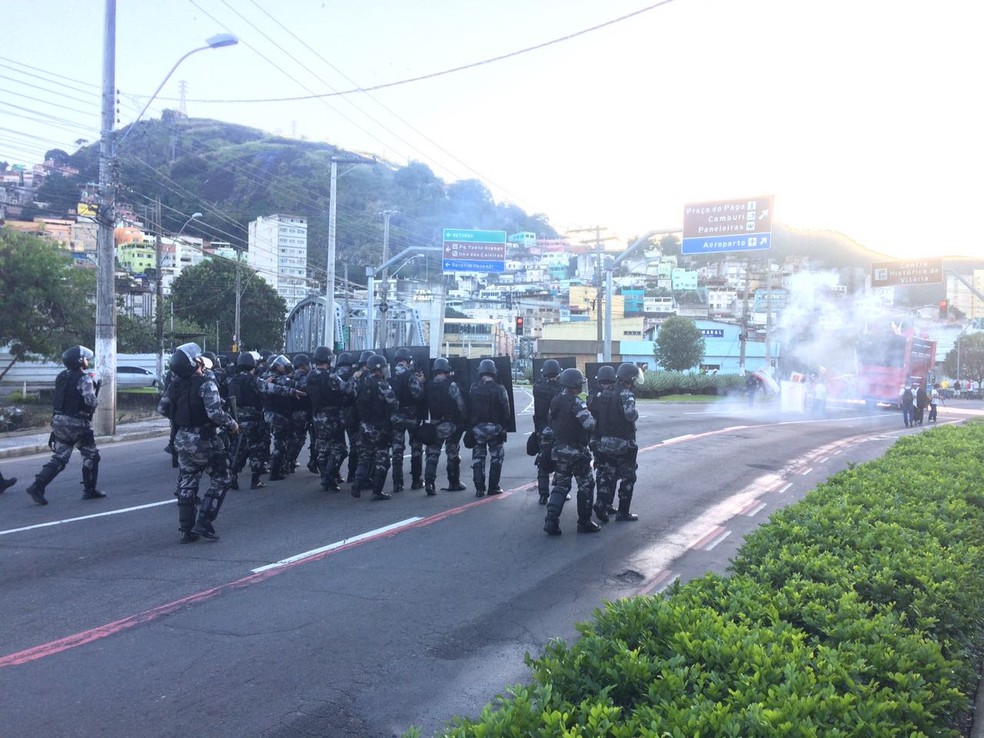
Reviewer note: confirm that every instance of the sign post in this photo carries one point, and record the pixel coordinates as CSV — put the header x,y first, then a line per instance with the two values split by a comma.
x,y
910,271
728,226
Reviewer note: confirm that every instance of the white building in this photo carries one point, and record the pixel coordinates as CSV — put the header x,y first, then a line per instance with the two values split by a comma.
x,y
278,252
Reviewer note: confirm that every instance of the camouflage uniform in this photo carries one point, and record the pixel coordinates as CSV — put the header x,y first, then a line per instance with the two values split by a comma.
x,y
277,410
409,391
616,452
570,423
328,391
376,404
544,390
195,406
446,406
490,412
71,427
300,419
254,434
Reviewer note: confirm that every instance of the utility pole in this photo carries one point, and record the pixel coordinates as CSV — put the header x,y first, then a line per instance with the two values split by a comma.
x,y
768,310
105,346
159,297
744,320
384,305
236,339
599,272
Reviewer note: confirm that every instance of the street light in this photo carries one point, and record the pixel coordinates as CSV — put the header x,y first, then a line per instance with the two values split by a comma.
x,y
104,420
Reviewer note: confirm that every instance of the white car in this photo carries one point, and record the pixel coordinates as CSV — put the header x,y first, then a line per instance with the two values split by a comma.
x,y
135,376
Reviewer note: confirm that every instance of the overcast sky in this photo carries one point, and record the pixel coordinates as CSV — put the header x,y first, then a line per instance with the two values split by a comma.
x,y
859,116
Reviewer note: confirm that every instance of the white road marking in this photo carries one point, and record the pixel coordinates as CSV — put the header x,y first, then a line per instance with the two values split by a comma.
x,y
338,544
86,517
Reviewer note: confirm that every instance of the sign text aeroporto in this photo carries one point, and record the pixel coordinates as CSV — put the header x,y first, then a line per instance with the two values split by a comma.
x,y
728,225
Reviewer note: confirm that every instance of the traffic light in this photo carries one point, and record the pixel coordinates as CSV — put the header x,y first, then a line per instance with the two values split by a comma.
x,y
519,325
943,309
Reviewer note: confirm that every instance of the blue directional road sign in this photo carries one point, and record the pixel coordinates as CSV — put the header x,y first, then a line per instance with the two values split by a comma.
x,y
474,251
728,226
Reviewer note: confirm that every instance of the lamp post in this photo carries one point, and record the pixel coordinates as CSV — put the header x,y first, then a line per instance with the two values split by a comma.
x,y
104,420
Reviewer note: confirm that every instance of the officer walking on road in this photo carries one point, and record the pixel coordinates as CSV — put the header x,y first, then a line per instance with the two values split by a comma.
x,y
544,390
376,403
490,412
570,424
327,392
71,426
446,405
193,403
408,386
616,451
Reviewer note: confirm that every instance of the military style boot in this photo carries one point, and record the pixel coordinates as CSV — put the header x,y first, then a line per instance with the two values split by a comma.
x,y
584,522
41,480
494,473
234,481
555,505
186,522
479,480
89,477
6,484
416,473
254,481
623,514
277,470
454,477
430,487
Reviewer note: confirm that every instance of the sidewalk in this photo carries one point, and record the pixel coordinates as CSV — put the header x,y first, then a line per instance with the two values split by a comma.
x,y
35,441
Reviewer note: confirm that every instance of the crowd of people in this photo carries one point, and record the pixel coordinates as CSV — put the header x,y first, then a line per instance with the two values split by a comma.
x,y
356,416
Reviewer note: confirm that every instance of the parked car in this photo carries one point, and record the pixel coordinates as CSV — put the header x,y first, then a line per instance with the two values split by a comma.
x,y
135,376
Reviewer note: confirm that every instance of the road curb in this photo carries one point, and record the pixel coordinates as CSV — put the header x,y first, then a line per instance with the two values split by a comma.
x,y
42,448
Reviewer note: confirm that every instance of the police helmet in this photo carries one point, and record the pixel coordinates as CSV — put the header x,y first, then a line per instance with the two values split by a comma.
x,y
403,354
606,374
281,362
302,360
376,363
213,359
441,365
572,378
627,372
322,355
224,360
72,358
344,359
550,368
265,354
487,366
185,359
246,360
364,356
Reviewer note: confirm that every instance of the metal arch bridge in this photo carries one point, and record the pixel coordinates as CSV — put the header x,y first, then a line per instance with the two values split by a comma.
x,y
305,325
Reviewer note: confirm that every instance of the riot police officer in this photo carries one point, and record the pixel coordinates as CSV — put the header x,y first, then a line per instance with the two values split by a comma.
x,y
570,424
253,443
448,413
277,409
193,403
490,413
604,380
71,426
345,375
376,404
300,414
361,452
616,451
408,386
544,390
327,393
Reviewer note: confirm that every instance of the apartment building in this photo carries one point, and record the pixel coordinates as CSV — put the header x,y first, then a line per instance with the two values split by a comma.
x,y
277,250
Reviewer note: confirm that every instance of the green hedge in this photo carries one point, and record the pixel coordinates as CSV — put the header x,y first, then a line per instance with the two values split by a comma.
x,y
855,612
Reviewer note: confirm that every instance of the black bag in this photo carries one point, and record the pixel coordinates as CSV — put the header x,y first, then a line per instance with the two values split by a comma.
x,y
533,444
468,439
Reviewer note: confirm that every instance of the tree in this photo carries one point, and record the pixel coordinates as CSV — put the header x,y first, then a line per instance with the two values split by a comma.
x,y
205,294
679,344
46,303
971,359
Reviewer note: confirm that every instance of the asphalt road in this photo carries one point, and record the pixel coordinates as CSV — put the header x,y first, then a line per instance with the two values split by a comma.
x,y
320,614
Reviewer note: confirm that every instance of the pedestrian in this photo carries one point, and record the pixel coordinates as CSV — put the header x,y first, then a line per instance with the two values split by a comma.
x,y
6,484
907,402
193,402
934,400
376,404
570,423
922,402
76,398
544,390
248,389
408,386
616,451
490,413
448,413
